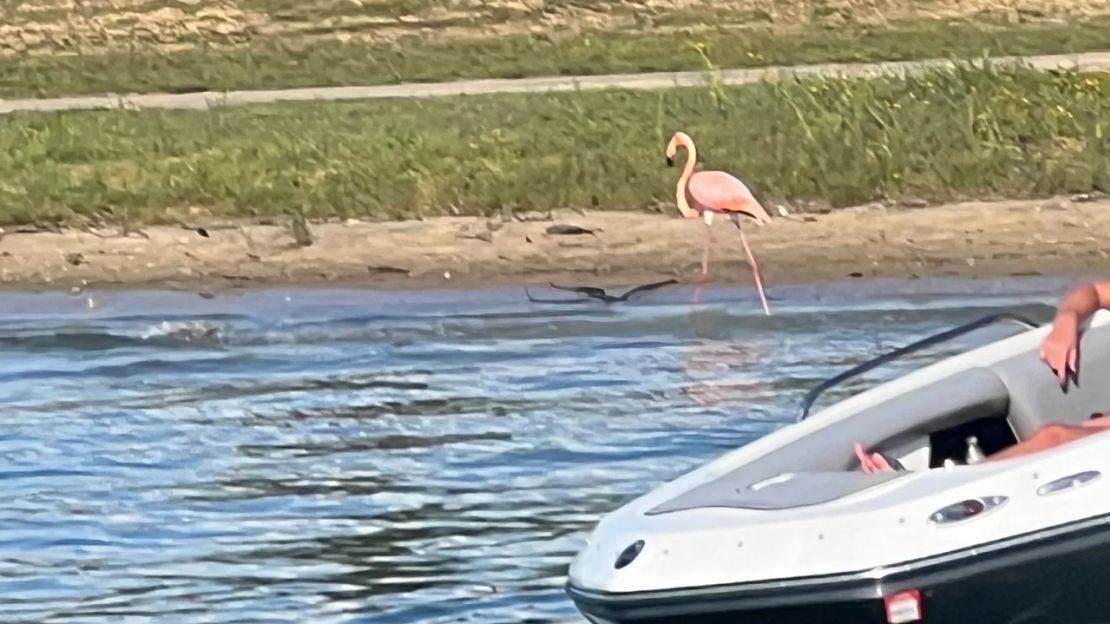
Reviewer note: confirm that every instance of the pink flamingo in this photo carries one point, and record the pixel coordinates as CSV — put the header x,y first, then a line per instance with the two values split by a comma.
x,y
706,193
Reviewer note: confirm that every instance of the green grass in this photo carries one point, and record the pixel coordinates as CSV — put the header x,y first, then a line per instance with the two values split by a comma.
x,y
972,133
295,62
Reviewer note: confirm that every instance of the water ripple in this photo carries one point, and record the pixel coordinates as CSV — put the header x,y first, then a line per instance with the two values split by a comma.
x,y
354,456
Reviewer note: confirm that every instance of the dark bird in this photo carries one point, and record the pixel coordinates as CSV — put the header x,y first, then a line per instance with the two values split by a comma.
x,y
599,293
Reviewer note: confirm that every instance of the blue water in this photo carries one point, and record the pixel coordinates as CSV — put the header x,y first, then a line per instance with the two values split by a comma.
x,y
311,455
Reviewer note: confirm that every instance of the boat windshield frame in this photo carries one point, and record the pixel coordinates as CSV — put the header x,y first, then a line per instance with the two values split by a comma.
x,y
944,336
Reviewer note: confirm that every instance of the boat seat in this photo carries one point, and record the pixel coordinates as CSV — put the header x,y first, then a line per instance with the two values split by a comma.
x,y
1036,398
952,401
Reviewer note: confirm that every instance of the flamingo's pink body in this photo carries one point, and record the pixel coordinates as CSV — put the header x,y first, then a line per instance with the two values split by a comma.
x,y
706,193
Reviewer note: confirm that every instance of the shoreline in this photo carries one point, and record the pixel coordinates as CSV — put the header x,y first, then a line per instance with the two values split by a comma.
x,y
978,239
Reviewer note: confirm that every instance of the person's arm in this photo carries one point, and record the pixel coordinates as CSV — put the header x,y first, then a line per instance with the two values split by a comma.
x,y
1061,347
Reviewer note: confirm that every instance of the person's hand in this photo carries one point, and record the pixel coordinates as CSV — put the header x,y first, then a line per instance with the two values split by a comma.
x,y
872,463
1060,349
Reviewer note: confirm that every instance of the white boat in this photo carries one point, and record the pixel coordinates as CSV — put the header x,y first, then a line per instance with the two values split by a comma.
x,y
789,529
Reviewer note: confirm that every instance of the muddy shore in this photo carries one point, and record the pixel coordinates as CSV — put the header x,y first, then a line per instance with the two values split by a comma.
x,y
976,239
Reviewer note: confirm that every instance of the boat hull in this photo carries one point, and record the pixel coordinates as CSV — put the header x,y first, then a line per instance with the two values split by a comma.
x,y
1057,576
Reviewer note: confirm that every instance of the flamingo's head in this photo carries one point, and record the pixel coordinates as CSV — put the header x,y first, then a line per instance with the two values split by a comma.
x,y
680,139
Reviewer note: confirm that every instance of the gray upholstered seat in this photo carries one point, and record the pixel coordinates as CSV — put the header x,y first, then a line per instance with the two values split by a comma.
x,y
1036,398
963,397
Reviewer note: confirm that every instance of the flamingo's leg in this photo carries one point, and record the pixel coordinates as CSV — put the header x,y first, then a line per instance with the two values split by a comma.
x,y
755,270
709,239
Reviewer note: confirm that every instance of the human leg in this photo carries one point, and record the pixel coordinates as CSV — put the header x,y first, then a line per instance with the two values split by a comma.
x,y
1045,438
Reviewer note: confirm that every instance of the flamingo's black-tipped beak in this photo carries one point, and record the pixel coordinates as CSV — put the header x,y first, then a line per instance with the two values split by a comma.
x,y
670,161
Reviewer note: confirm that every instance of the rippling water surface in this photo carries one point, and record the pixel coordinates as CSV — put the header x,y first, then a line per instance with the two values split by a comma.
x,y
356,456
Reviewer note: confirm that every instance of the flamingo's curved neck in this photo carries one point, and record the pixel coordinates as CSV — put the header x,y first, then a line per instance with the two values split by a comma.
x,y
687,171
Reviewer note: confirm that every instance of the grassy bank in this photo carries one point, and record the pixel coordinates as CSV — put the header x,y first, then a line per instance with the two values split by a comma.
x,y
249,60
971,133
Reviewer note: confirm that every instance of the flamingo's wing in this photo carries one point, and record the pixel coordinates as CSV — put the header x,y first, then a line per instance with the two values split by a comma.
x,y
717,190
